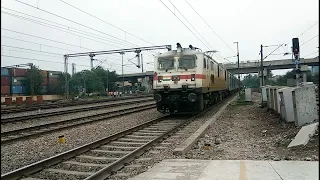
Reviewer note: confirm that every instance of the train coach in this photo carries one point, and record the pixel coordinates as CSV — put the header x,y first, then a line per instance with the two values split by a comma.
x,y
188,80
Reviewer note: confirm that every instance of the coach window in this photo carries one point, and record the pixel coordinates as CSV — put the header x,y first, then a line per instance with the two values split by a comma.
x,y
212,65
225,75
218,70
204,63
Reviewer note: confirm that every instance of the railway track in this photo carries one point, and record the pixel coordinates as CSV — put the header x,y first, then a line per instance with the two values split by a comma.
x,y
99,159
7,110
81,109
35,131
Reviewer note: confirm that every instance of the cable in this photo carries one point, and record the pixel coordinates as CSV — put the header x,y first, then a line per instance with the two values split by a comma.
x,y
71,21
49,61
184,24
311,54
48,40
190,29
272,51
50,53
209,26
105,22
68,28
190,23
309,40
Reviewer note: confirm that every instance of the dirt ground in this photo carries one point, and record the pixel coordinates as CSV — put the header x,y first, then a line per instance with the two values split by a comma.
x,y
247,132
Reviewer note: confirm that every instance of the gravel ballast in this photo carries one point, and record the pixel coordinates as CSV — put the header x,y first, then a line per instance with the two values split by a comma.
x,y
248,132
25,152
35,112
64,117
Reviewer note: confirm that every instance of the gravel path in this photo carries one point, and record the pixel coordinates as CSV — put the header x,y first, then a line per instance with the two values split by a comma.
x,y
27,113
251,133
22,153
45,120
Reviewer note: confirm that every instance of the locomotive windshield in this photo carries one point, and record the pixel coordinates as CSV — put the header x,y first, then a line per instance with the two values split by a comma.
x,y
187,62
165,63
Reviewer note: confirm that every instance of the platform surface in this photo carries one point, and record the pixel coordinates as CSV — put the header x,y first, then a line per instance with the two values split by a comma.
x,y
191,169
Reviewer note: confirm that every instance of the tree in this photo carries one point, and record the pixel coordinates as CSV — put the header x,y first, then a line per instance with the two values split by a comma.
x,y
250,81
86,79
107,77
34,80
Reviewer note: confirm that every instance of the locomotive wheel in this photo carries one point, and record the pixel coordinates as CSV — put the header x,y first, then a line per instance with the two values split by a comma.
x,y
200,105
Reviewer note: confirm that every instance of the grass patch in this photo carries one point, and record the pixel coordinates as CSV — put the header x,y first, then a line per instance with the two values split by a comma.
x,y
241,101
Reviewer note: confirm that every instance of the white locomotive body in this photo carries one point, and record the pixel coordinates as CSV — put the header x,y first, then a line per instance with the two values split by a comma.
x,y
188,80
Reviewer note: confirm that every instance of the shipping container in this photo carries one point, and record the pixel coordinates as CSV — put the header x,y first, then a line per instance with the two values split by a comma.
x,y
54,74
53,81
44,82
44,73
4,72
19,72
43,89
18,89
18,81
5,90
5,81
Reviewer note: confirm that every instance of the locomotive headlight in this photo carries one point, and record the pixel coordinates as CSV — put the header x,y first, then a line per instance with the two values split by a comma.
x,y
192,97
193,77
157,97
160,78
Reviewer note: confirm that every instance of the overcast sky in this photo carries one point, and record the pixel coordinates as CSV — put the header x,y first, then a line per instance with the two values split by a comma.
x,y
250,22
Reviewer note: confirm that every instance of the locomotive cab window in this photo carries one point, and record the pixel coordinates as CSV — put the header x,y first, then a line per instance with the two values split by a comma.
x,y
218,70
187,62
165,63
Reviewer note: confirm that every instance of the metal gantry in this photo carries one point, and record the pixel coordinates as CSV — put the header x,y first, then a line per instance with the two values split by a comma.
x,y
95,53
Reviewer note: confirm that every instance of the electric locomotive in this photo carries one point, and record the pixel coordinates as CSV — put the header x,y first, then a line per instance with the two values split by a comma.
x,y
188,80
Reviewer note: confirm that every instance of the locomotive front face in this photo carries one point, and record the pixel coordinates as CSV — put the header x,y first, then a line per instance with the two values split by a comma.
x,y
177,80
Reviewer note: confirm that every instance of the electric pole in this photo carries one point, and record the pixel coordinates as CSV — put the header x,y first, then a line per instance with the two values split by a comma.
x,y
91,60
261,54
238,66
73,68
141,63
122,71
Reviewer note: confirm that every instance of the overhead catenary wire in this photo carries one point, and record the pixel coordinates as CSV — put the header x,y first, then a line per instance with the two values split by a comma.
x,y
48,12
54,54
188,28
184,24
106,22
66,28
209,26
190,24
309,40
311,54
41,60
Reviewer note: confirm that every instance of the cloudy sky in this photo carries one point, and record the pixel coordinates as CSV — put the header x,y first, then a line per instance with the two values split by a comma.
x,y
41,31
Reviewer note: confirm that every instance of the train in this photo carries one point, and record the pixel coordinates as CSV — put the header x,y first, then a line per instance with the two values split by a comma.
x,y
187,80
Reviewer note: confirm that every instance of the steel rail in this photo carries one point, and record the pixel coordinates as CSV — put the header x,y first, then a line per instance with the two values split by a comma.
x,y
48,114
73,123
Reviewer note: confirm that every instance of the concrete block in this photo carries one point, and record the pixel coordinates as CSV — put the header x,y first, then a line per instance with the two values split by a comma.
x,y
303,136
286,104
264,94
305,105
248,95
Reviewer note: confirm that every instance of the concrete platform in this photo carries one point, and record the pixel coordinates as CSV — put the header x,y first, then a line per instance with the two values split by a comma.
x,y
187,169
